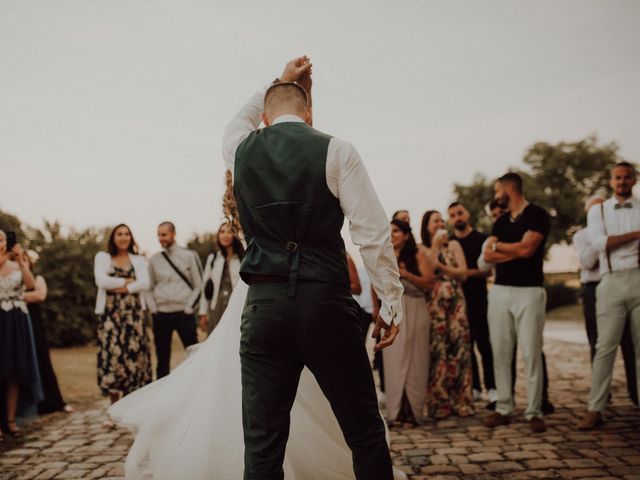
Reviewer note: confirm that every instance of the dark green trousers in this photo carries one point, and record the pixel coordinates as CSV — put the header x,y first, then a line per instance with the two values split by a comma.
x,y
318,328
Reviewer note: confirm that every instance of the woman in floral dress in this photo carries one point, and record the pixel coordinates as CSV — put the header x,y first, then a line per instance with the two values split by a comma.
x,y
124,361
450,367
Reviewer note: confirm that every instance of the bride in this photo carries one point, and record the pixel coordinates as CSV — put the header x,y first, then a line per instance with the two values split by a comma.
x,y
189,424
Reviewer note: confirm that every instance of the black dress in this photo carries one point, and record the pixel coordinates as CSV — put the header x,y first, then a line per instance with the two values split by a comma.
x,y
53,401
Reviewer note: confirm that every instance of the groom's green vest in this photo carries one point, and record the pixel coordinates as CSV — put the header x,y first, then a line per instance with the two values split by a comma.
x,y
290,218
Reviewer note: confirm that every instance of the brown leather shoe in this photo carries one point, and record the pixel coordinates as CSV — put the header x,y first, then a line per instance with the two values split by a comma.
x,y
590,421
496,419
537,425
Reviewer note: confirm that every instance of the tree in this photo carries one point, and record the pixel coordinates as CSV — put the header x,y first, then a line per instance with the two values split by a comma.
x,y
66,262
203,245
11,223
559,178
475,197
565,175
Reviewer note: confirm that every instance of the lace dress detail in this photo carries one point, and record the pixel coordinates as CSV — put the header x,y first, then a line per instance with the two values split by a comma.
x,y
11,291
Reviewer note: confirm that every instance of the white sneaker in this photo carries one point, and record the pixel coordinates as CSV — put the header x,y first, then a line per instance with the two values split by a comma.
x,y
477,395
493,395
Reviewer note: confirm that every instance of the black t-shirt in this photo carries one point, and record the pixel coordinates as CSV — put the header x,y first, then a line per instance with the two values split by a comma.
x,y
522,272
474,287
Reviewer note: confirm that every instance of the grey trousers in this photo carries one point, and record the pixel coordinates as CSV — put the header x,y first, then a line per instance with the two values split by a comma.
x,y
516,315
617,296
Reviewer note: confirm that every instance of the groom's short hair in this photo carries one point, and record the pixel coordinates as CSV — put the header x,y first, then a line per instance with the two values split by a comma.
x,y
286,93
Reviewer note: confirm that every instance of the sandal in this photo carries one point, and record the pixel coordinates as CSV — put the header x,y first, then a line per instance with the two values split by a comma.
x,y
15,432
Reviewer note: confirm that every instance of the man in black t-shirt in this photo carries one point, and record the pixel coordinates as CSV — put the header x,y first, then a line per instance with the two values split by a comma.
x,y
517,300
475,293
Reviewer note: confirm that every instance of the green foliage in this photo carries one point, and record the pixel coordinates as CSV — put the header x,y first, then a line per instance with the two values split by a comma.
x,y
476,197
11,223
203,245
559,295
66,262
559,178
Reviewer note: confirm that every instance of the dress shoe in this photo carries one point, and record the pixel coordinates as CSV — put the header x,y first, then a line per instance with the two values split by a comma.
x,y
491,406
590,421
547,407
537,425
495,420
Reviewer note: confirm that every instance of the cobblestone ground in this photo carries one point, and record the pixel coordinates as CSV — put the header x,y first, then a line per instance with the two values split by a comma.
x,y
63,446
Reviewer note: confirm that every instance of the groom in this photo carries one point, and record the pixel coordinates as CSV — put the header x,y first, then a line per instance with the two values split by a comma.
x,y
293,186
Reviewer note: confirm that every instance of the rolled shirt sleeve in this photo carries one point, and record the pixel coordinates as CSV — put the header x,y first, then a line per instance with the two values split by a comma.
x,y
483,265
349,181
587,256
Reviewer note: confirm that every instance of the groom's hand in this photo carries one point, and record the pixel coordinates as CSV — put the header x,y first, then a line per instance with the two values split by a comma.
x,y
295,68
390,333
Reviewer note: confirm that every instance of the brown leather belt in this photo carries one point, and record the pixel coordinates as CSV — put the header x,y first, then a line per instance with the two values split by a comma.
x,y
254,278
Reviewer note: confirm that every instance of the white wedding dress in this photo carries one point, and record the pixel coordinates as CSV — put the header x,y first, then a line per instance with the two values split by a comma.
x,y
189,424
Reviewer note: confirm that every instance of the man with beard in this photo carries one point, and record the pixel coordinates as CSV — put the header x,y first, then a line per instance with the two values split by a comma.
x,y
475,293
517,301
614,231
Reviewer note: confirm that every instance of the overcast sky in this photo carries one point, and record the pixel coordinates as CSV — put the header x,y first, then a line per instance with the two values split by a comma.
x,y
113,111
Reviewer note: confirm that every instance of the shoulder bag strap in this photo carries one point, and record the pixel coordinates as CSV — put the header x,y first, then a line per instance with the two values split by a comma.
x,y
180,274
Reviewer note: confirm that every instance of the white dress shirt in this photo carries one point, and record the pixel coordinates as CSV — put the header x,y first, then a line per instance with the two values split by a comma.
x,y
349,182
483,265
364,299
616,222
588,257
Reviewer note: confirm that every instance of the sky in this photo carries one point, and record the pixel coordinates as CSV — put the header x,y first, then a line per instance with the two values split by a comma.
x,y
113,111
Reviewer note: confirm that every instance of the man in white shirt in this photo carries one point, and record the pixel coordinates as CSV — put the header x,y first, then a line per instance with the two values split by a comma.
x,y
294,185
614,231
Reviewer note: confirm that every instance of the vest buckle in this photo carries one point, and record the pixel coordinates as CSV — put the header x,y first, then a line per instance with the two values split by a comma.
x,y
292,246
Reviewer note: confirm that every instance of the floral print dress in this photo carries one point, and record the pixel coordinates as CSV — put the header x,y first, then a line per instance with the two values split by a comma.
x,y
124,359
450,366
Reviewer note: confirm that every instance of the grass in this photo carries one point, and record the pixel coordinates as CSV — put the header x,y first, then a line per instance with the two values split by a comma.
x,y
76,370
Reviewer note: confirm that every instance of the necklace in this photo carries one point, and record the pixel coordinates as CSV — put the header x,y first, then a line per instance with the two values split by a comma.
x,y
517,217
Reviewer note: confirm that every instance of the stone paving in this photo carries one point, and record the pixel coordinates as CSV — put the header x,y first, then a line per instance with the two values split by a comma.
x,y
64,446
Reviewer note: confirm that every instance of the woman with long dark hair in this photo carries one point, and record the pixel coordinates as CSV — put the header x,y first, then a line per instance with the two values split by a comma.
x,y
450,364
221,274
124,360
406,362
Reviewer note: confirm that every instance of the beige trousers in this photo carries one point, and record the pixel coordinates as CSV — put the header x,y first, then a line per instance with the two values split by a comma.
x,y
617,296
516,314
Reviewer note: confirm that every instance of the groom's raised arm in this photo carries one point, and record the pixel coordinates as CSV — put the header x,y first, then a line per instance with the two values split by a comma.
x,y
349,181
243,123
